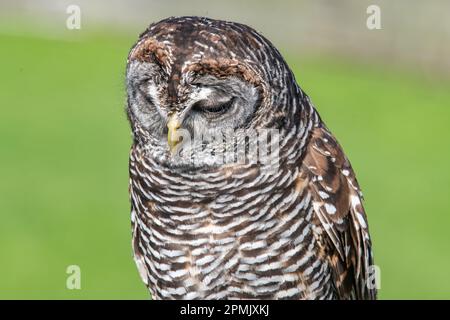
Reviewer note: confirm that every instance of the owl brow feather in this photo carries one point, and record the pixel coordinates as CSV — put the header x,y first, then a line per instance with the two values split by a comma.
x,y
151,50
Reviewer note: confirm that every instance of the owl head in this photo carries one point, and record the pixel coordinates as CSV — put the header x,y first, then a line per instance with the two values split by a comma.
x,y
192,79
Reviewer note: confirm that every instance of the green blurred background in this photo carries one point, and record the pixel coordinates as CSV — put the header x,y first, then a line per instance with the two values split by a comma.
x,y
65,138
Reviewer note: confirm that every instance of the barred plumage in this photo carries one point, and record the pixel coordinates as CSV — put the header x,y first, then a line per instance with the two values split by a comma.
x,y
205,230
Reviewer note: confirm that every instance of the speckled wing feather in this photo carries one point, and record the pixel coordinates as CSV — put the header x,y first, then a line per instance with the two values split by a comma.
x,y
337,202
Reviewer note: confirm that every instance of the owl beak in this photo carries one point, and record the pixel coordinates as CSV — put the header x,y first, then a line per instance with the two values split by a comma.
x,y
172,136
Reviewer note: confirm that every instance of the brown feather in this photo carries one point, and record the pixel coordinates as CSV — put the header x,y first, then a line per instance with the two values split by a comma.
x,y
337,204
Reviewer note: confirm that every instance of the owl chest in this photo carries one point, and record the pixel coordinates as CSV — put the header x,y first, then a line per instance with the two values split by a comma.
x,y
255,245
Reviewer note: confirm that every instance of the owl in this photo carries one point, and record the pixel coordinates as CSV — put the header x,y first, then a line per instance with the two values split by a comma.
x,y
284,222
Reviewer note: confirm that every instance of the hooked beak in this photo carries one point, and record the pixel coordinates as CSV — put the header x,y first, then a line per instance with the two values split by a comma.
x,y
172,136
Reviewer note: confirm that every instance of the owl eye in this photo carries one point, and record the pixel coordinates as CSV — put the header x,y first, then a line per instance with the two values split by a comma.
x,y
213,107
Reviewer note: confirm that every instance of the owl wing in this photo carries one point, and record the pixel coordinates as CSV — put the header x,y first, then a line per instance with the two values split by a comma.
x,y
337,202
